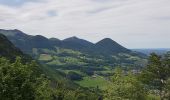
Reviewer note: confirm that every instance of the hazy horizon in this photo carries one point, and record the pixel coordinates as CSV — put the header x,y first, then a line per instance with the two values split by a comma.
x,y
132,23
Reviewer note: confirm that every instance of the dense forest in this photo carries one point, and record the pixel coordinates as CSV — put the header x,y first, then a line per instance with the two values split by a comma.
x,y
60,72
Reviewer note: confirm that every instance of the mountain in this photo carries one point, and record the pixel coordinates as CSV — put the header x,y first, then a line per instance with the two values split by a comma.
x,y
15,32
39,41
27,43
108,46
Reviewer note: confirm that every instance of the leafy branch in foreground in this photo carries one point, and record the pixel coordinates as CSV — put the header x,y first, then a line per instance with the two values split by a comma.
x,y
22,82
156,75
125,87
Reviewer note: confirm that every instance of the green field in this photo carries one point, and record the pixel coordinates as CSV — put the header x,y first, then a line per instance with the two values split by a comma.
x,y
98,81
45,57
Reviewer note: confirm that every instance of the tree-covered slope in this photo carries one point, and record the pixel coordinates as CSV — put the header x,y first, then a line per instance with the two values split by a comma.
x,y
7,49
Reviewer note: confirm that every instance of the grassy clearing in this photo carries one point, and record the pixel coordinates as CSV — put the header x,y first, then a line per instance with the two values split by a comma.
x,y
153,97
55,62
93,82
45,57
76,71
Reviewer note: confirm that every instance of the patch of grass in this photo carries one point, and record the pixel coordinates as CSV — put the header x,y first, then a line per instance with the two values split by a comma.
x,y
153,97
76,71
55,62
93,82
69,51
45,57
135,58
48,51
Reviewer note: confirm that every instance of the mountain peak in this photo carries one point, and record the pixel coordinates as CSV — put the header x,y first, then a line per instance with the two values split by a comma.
x,y
40,37
110,46
12,32
76,40
76,43
74,37
54,39
107,40
16,30
71,38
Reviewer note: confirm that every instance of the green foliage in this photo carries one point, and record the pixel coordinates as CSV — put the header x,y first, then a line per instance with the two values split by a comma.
x,y
22,81
156,75
125,87
25,82
43,90
168,89
78,94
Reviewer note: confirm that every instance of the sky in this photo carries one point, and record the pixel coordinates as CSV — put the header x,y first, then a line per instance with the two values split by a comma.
x,y
132,23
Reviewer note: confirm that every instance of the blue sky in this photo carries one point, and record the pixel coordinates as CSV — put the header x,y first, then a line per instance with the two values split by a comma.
x,y
132,23
15,3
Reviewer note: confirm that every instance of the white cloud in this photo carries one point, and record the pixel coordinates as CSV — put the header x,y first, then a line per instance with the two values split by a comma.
x,y
133,23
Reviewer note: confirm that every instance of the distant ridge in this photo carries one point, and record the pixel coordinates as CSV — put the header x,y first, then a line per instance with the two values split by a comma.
x,y
26,43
